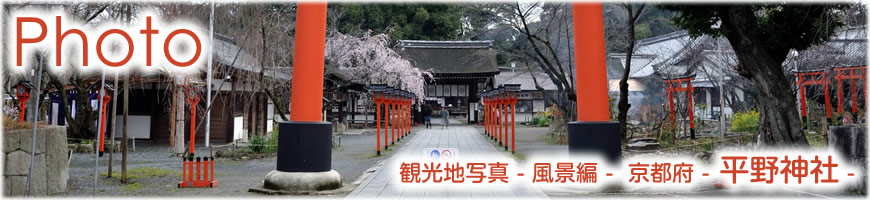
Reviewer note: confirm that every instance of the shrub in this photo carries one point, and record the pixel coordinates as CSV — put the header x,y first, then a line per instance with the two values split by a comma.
x,y
666,136
541,119
745,121
261,145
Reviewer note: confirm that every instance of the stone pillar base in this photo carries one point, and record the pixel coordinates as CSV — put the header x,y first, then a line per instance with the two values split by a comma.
x,y
302,181
595,137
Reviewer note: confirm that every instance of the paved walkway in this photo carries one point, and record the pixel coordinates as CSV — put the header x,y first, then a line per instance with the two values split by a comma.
x,y
468,142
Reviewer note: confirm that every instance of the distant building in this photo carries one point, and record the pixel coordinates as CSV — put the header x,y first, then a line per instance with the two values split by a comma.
x,y
711,61
531,100
237,110
460,69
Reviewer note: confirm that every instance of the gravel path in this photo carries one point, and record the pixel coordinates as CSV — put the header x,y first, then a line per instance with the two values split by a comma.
x,y
355,155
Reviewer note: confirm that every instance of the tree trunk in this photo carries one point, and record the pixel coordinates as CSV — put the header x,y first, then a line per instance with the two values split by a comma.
x,y
124,140
172,111
623,104
114,119
179,120
779,122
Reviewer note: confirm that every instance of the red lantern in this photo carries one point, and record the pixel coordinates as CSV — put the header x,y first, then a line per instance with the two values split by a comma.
x,y
22,91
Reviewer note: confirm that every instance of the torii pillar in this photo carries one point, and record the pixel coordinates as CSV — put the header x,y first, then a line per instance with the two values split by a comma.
x,y
305,142
593,131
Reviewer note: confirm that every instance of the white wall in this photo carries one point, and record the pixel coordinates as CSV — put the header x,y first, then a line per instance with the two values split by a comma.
x,y
139,126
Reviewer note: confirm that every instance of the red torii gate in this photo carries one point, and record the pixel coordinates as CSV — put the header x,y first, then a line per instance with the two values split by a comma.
x,y
820,77
814,77
676,85
850,73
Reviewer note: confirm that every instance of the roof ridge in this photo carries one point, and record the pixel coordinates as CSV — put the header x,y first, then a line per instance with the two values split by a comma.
x,y
662,37
445,43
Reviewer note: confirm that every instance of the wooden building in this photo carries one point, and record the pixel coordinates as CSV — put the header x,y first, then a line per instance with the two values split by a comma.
x,y
239,108
460,69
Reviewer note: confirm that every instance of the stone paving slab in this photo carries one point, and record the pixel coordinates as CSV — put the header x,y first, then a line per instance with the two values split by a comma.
x,y
469,142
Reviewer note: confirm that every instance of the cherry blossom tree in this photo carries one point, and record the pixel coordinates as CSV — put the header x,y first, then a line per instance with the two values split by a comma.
x,y
367,59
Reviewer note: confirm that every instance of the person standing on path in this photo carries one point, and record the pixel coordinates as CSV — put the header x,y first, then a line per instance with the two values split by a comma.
x,y
444,115
427,116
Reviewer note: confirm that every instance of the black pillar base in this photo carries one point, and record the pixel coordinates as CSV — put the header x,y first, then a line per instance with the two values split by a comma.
x,y
304,146
692,133
505,147
595,137
379,153
385,147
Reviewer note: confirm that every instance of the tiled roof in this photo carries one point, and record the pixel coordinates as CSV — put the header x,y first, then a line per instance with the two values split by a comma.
x,y
450,57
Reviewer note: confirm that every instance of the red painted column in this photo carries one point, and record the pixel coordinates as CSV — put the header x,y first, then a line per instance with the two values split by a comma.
x,y
378,120
306,125
390,125
193,101
22,107
404,117
106,99
495,118
388,105
399,110
308,62
506,101
492,118
493,124
491,113
410,115
513,124
589,45
405,114
498,123
395,120
854,92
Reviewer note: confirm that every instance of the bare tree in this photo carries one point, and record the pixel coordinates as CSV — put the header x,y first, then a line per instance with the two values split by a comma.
x,y
634,14
546,29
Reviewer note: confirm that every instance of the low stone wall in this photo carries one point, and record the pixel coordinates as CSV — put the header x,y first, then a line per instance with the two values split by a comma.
x,y
50,164
850,142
